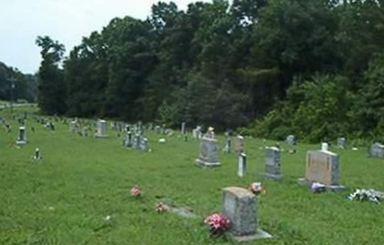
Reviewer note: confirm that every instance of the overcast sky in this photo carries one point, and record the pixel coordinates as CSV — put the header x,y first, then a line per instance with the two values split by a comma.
x,y
67,21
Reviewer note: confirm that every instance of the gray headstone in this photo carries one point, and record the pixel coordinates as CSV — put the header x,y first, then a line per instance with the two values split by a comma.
x,y
144,144
183,130
128,139
209,153
342,143
101,129
241,207
377,150
22,138
291,140
273,163
228,145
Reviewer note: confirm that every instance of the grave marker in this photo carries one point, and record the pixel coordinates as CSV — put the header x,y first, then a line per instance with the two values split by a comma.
x,y
101,129
323,167
241,208
377,150
22,138
273,163
242,162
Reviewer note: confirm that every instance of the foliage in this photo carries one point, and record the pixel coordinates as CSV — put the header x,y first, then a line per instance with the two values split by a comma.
x,y
229,64
25,85
52,90
314,110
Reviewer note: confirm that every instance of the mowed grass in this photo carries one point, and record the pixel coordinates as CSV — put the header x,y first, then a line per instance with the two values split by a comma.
x,y
64,198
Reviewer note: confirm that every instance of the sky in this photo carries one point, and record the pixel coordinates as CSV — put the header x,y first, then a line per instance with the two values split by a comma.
x,y
67,21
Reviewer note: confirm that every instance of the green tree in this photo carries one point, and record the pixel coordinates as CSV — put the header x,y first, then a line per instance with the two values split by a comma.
x,y
52,90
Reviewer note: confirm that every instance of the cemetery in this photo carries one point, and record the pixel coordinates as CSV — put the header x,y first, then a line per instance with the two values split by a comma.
x,y
80,191
192,122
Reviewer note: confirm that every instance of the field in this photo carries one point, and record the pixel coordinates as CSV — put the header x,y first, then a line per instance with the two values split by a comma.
x,y
65,197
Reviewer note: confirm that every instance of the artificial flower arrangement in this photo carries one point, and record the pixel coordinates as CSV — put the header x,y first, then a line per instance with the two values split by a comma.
x,y
161,208
370,195
218,224
136,191
257,188
318,187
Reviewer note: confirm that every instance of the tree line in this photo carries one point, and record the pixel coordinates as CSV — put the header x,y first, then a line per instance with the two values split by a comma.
x,y
14,85
307,67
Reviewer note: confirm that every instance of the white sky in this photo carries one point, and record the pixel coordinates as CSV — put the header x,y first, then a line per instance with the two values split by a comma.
x,y
67,21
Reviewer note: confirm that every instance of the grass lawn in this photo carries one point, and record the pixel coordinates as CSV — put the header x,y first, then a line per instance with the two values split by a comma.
x,y
64,198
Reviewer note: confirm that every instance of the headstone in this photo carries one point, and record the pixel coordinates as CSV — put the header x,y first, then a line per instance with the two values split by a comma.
x,y
101,129
73,126
241,208
157,129
209,153
342,143
324,146
183,130
37,155
136,141
242,162
228,144
377,150
291,140
128,139
323,167
273,163
197,132
144,144
240,146
22,138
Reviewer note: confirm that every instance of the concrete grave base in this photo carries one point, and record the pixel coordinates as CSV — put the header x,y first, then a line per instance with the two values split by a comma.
x,y
21,142
202,163
335,188
277,177
101,136
260,234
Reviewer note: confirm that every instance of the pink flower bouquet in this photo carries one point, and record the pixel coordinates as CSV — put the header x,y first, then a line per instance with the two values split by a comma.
x,y
218,224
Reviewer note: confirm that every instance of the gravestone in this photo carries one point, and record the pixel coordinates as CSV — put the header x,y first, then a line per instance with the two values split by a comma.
x,y
37,155
22,138
273,163
136,141
183,130
101,129
377,150
128,139
291,140
342,143
323,167
242,162
240,145
241,208
197,132
324,146
144,144
73,126
209,152
228,144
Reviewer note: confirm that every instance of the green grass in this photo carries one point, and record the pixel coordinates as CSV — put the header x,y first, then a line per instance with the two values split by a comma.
x,y
64,198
